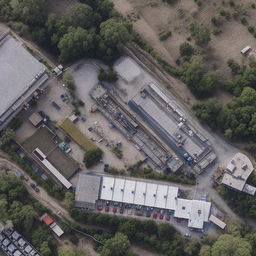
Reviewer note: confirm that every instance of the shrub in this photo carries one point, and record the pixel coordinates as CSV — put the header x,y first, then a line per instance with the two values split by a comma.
x,y
164,35
243,20
216,31
251,29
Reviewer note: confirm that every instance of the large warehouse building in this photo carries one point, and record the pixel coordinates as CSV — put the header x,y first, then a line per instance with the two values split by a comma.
x,y
95,190
21,75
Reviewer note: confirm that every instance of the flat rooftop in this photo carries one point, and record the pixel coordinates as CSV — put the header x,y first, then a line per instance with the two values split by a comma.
x,y
169,124
138,192
237,172
18,68
47,142
88,189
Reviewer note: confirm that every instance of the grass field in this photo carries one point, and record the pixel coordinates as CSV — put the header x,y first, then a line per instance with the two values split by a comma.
x,y
74,132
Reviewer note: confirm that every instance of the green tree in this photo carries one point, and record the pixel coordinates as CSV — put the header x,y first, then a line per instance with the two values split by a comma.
x,y
7,135
108,76
69,200
79,15
56,28
5,10
92,157
3,210
31,12
205,250
77,43
186,49
115,33
227,245
201,33
44,249
116,246
208,111
69,80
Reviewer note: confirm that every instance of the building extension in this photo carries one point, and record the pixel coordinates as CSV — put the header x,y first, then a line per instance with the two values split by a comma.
x,y
93,191
21,75
237,172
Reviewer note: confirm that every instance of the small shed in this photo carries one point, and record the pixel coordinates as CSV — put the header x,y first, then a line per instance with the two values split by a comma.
x,y
47,219
56,229
36,119
217,221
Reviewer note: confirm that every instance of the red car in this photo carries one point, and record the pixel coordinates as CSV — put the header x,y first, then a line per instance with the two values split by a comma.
x,y
99,208
114,210
154,215
107,209
161,216
167,217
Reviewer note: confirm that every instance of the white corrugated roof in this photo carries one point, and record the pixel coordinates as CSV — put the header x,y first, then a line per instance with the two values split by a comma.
x,y
151,194
172,197
161,196
118,190
56,229
107,188
129,191
140,193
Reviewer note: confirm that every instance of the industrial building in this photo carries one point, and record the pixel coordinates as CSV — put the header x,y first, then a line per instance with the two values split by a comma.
x,y
136,133
45,148
22,77
169,122
237,172
14,244
93,191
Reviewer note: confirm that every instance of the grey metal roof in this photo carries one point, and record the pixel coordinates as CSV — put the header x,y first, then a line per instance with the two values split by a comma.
x,y
18,74
88,187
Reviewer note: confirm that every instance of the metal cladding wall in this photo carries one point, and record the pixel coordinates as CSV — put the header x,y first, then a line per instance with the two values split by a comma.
x,y
157,128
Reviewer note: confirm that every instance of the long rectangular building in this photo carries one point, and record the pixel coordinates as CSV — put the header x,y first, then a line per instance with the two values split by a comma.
x,y
94,190
20,76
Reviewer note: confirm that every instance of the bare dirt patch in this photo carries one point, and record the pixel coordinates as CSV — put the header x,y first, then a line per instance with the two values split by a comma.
x,y
151,17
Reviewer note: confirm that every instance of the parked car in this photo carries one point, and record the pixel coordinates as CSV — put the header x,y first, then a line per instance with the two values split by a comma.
x,y
167,217
114,210
161,216
54,104
107,209
100,208
154,215
148,214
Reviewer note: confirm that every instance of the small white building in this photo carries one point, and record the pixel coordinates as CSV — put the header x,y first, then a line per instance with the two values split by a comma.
x,y
237,172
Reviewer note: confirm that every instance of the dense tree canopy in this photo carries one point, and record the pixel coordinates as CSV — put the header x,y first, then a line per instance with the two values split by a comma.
x,y
115,33
227,245
79,15
200,82
31,12
116,246
208,111
77,43
239,115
